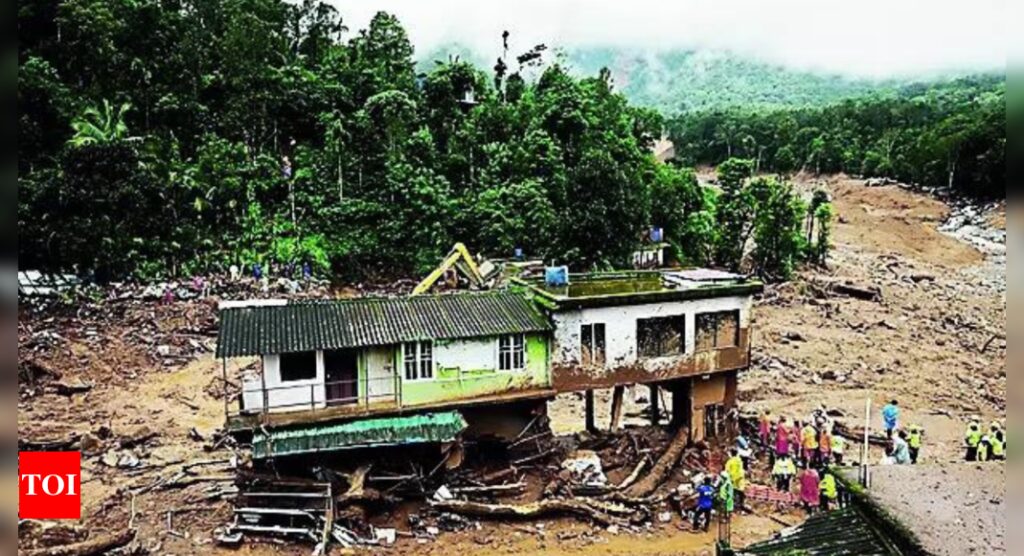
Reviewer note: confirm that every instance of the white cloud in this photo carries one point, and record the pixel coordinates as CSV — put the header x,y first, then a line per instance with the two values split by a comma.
x,y
857,37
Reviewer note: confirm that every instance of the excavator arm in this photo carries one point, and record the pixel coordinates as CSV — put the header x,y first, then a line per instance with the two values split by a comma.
x,y
459,258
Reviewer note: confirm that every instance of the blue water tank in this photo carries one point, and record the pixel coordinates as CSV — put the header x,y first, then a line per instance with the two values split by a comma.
x,y
556,276
657,235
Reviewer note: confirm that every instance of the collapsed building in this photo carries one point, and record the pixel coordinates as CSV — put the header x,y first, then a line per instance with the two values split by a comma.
x,y
428,368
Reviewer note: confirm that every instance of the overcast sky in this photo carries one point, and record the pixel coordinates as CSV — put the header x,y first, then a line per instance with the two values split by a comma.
x,y
874,38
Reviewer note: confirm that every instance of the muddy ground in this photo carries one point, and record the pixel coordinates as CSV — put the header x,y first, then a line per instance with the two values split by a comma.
x,y
935,341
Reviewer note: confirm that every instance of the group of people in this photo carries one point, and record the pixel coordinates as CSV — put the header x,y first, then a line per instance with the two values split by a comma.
x,y
804,451
985,446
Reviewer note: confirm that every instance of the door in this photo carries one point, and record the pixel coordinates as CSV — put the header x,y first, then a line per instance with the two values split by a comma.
x,y
380,374
341,374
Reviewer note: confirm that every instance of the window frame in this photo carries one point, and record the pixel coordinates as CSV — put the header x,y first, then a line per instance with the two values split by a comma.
x,y
514,347
421,362
672,325
594,344
281,367
715,329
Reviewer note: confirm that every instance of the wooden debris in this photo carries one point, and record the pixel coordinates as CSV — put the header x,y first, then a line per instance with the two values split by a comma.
x,y
867,293
96,545
603,513
71,388
663,467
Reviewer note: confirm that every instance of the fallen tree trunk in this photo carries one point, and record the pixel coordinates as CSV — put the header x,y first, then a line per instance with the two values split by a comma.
x,y
867,293
97,545
591,510
662,468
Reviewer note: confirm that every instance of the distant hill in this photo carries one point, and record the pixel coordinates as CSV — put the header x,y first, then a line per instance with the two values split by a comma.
x,y
683,80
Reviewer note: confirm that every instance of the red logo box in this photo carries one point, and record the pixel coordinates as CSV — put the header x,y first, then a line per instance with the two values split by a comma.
x,y
49,485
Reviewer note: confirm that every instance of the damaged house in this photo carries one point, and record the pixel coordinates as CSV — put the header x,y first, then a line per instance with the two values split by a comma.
x,y
685,331
435,366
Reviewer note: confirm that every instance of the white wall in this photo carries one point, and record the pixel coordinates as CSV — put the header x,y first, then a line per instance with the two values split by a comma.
x,y
620,327
291,395
474,354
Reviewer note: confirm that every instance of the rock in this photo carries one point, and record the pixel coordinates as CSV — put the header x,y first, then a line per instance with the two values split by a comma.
x,y
829,375
665,517
110,459
613,529
90,445
137,436
127,460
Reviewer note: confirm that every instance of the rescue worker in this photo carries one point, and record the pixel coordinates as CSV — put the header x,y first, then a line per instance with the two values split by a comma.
x,y
824,446
914,442
809,488
891,417
972,440
783,472
996,443
900,449
782,439
795,446
737,476
809,443
725,493
705,501
764,428
838,448
829,492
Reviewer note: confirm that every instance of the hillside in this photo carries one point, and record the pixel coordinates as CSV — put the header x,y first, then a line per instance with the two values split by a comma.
x,y
682,80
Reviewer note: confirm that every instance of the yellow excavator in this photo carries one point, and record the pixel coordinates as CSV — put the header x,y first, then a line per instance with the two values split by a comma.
x,y
462,262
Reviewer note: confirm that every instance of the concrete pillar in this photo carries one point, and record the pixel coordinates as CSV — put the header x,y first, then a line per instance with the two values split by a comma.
x,y
589,411
655,405
681,403
617,395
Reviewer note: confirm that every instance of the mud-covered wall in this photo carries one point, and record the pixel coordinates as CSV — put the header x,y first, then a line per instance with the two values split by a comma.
x,y
623,366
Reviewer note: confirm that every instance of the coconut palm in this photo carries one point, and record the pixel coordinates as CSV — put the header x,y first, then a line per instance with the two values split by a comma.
x,y
97,126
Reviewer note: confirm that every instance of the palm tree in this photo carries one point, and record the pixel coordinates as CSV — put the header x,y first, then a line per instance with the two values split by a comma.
x,y
97,126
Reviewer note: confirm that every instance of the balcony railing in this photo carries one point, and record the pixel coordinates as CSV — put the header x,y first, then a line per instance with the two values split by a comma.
x,y
320,395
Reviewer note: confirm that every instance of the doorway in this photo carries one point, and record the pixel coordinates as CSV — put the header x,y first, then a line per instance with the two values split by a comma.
x,y
341,374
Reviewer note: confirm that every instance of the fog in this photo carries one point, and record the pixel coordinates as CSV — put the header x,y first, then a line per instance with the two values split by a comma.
x,y
863,38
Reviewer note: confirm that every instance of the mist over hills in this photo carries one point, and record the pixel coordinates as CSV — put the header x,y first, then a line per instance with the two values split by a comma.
x,y
675,81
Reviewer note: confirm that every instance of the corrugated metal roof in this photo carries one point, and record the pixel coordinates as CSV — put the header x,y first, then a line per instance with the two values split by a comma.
x,y
312,325
840,532
387,431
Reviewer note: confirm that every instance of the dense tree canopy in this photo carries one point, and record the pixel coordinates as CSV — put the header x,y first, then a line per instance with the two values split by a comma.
x,y
179,136
950,134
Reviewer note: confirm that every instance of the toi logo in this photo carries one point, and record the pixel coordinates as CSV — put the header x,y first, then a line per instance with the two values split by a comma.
x,y
49,485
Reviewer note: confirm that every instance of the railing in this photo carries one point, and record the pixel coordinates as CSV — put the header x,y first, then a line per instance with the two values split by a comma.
x,y
318,395
358,393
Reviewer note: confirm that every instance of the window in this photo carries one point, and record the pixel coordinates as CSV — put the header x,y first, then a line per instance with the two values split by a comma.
x,y
298,366
592,344
661,337
717,330
714,420
418,358
511,353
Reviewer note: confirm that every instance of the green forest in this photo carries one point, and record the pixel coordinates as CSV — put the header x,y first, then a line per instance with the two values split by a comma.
x,y
162,138
949,134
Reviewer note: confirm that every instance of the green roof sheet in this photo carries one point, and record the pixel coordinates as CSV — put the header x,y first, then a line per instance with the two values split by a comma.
x,y
839,532
337,324
385,431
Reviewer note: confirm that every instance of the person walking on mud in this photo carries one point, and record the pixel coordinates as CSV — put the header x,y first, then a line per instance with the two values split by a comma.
x,y
891,417
705,501
782,440
809,488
